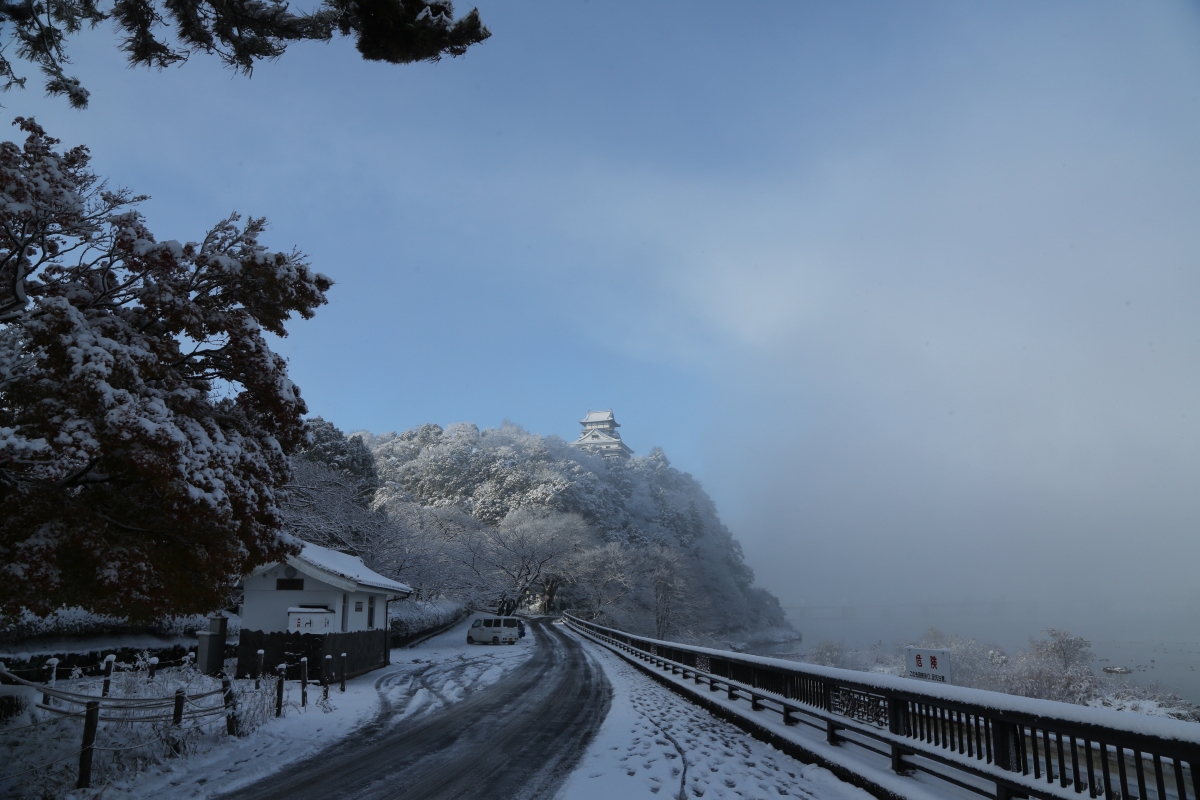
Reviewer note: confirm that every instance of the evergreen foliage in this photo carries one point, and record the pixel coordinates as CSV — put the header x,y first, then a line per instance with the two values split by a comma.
x,y
145,424
240,32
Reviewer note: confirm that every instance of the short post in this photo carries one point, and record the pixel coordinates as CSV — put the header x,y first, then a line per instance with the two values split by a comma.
x,y
755,702
304,682
282,670
153,666
177,721
90,722
231,715
343,672
698,681
326,677
789,716
713,686
108,668
732,693
50,669
258,664
831,732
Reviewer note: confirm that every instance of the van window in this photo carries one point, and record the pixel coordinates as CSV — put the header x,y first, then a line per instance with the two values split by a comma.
x,y
487,623
510,623
477,623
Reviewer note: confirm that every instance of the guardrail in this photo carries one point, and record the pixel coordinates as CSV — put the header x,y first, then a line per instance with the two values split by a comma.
x,y
992,744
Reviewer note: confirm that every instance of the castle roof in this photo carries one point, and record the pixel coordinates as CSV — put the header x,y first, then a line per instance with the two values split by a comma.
x,y
600,416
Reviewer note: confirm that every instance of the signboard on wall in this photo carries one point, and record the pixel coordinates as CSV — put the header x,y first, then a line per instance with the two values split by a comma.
x,y
928,665
310,620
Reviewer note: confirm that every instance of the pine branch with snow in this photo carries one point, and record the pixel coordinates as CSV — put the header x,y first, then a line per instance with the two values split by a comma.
x,y
145,424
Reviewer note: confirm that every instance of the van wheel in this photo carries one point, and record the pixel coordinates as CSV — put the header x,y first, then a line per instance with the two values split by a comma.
x,y
495,640
470,640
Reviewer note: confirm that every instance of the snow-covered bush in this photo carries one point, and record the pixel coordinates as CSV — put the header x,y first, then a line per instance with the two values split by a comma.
x,y
411,617
80,622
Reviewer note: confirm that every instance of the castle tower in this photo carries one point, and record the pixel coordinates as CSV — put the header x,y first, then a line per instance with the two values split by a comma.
x,y
600,435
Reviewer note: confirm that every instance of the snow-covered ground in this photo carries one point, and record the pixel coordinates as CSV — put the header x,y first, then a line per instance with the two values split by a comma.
x,y
656,744
419,680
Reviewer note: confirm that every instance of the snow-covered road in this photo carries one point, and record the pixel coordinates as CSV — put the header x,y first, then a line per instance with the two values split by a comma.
x,y
656,744
449,729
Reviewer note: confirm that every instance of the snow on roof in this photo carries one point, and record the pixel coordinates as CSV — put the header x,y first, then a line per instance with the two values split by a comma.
x,y
346,567
598,416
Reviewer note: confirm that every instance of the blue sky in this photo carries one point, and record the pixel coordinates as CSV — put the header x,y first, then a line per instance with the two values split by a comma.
x,y
912,288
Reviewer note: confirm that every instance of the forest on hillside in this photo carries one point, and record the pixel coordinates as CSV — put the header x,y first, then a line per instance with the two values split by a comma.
x,y
502,518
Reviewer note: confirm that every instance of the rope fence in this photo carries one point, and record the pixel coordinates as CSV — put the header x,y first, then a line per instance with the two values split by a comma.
x,y
183,711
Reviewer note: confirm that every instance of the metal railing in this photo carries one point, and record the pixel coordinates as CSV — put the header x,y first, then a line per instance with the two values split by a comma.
x,y
993,744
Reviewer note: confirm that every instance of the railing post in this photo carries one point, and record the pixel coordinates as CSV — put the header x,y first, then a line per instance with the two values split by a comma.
x,y
304,682
153,667
1005,754
108,668
231,710
732,693
90,722
789,716
1004,745
830,728
344,672
896,710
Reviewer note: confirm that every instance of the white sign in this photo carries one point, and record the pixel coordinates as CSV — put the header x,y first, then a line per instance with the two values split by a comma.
x,y
928,665
310,620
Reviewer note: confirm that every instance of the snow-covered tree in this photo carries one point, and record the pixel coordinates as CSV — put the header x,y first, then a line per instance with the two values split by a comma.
x,y
348,456
159,33
145,423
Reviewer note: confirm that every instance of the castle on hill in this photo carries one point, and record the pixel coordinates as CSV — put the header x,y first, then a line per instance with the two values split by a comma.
x,y
600,435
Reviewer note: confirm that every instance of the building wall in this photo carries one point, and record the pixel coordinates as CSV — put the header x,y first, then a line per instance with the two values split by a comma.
x,y
264,608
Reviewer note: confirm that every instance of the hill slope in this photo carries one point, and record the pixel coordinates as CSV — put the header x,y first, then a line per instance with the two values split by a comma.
x,y
651,553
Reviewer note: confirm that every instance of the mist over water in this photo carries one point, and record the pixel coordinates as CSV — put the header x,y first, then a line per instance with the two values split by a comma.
x,y
1142,634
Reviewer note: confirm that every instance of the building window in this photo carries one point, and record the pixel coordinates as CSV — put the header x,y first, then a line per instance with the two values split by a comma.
x,y
358,606
289,584
370,612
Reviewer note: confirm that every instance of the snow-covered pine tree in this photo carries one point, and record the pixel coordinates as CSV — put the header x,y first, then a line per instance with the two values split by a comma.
x,y
145,424
240,33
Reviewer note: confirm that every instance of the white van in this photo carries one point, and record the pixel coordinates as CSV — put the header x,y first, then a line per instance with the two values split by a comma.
x,y
494,630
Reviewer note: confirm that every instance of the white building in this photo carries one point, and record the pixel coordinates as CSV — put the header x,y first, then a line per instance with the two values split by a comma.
x,y
318,591
600,435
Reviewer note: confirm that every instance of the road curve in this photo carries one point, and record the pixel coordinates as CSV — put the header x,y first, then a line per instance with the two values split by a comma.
x,y
518,738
